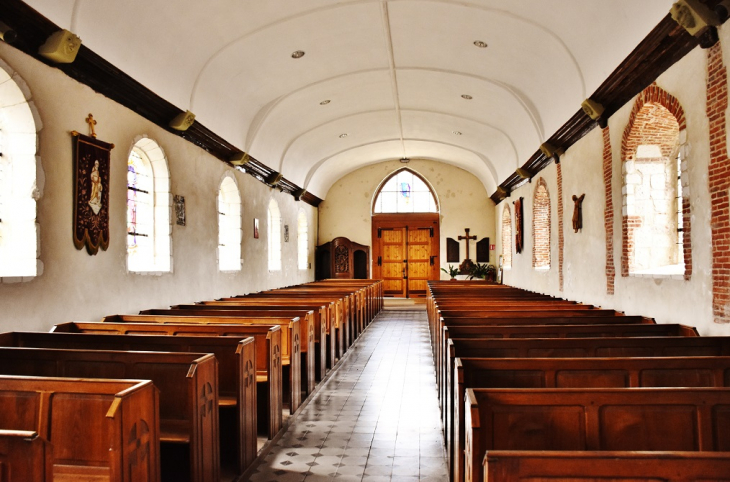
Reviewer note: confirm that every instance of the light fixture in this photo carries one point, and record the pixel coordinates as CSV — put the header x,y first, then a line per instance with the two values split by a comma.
x,y
297,54
466,96
523,173
480,44
298,194
274,178
182,121
342,136
239,159
458,133
325,102
593,109
7,34
61,47
405,160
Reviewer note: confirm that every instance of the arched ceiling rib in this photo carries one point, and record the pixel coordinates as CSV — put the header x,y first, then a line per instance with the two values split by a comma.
x,y
230,62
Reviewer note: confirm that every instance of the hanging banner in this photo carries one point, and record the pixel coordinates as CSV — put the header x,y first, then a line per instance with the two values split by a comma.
x,y
91,193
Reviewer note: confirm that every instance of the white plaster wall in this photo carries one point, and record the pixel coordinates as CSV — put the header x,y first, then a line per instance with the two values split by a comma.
x,y
667,300
76,286
463,201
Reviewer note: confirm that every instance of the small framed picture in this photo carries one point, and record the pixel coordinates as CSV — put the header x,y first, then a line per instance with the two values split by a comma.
x,y
286,233
179,202
255,228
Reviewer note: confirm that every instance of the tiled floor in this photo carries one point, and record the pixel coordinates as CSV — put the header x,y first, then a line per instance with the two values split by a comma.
x,y
375,419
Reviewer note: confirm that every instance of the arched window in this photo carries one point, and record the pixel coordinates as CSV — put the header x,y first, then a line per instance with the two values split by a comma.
x,y
506,238
229,225
405,192
655,207
541,227
18,231
303,239
274,236
148,209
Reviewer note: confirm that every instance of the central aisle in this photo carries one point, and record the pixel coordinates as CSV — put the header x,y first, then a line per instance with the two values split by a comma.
x,y
375,419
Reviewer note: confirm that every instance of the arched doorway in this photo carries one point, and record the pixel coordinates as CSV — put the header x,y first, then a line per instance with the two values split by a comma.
x,y
405,234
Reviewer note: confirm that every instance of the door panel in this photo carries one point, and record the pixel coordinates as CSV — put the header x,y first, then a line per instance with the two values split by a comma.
x,y
419,267
394,254
406,247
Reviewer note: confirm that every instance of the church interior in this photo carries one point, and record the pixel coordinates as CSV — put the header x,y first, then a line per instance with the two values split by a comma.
x,y
157,154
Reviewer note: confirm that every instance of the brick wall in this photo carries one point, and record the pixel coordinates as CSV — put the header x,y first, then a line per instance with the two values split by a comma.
x,y
506,237
561,233
608,210
541,226
719,180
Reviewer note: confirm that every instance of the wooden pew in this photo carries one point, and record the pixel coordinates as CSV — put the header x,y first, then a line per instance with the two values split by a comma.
x,y
320,312
305,338
290,341
374,289
572,373
679,419
509,465
236,362
329,309
339,317
188,385
557,318
101,430
25,457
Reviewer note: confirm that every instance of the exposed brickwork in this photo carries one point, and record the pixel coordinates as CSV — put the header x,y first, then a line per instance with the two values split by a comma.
x,y
719,179
506,237
648,185
541,226
608,210
561,234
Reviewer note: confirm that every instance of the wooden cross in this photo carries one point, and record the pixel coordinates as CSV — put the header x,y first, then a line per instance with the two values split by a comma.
x,y
90,120
467,238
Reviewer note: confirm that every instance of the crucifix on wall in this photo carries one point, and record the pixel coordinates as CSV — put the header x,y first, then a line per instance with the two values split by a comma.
x,y
467,238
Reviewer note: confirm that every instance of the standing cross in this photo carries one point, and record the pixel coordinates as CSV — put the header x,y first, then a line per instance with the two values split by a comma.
x,y
90,120
467,238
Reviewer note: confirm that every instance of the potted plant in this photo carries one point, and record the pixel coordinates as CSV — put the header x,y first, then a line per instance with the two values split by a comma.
x,y
451,272
484,271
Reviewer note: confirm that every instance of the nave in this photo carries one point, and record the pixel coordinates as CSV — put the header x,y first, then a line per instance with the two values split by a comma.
x,y
376,417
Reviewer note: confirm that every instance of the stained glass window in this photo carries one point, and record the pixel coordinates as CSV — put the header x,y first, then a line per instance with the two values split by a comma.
x,y
405,192
140,208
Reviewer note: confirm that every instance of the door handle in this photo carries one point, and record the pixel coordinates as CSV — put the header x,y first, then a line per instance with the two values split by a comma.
x,y
432,260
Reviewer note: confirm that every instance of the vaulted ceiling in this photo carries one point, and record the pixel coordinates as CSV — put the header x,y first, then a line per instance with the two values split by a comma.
x,y
379,80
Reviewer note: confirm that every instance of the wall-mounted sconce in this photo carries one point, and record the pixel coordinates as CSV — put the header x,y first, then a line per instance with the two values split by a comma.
x,y
524,173
593,109
694,16
405,160
239,159
298,194
550,150
183,121
274,178
7,34
61,47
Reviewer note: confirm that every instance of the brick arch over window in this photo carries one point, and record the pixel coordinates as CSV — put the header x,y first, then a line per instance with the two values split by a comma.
x,y
506,237
655,212
541,226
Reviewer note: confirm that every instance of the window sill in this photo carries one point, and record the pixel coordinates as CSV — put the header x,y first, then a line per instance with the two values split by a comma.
x,y
542,268
674,271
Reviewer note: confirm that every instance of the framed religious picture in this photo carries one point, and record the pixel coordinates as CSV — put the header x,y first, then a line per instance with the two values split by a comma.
x,y
91,193
286,233
255,228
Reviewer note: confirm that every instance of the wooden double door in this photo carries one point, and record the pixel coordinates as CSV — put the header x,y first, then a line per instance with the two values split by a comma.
x,y
405,253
